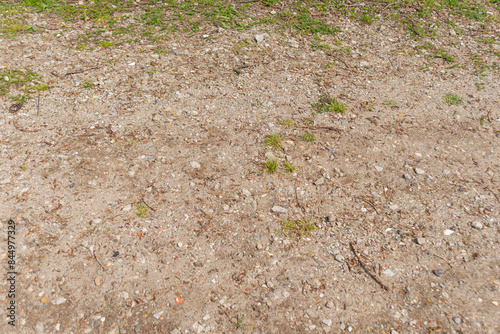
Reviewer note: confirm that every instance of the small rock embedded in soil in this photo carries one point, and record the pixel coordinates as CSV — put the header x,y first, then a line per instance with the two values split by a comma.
x,y
438,272
457,320
59,300
379,169
342,326
477,225
388,272
446,172
259,38
330,304
279,209
421,241
406,176
339,258
419,171
97,281
246,192
270,156
327,322
195,164
319,181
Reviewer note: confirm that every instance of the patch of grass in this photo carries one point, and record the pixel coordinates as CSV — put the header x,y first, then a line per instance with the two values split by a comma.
x,y
22,82
367,18
316,45
87,84
308,136
240,47
270,166
297,227
328,104
389,103
452,99
81,46
287,123
274,141
289,167
141,210
106,44
440,53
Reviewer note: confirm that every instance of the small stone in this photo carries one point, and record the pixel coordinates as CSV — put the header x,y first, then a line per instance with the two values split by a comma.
x,y
127,208
225,207
327,322
5,181
59,301
330,218
406,176
270,285
179,244
97,281
259,246
246,192
438,272
330,304
379,169
39,327
342,326
279,209
446,171
393,207
319,181
6,78
158,315
195,164
419,171
448,232
394,332
477,225
457,320
350,328
339,258
270,156
286,294
259,38
388,272
421,241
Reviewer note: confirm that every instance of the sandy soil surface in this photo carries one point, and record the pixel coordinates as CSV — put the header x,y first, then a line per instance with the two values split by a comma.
x,y
141,202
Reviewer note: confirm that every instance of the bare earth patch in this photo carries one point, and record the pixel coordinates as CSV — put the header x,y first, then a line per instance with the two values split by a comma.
x,y
144,203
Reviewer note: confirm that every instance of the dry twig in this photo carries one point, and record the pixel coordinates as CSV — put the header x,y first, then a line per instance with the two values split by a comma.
x,y
372,275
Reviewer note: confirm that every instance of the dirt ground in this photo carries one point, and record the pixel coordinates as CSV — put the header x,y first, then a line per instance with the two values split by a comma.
x,y
141,203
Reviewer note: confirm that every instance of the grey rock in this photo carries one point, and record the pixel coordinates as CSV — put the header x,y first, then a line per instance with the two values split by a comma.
x,y
39,327
312,313
259,38
419,171
477,225
279,209
246,192
327,322
388,272
406,176
457,320
270,156
342,326
195,164
438,272
319,181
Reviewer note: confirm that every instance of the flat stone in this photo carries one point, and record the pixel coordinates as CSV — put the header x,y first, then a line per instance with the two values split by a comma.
x,y
327,322
388,272
457,320
421,241
419,171
438,272
406,176
339,258
59,300
259,38
195,164
477,225
270,156
246,192
279,209
319,181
